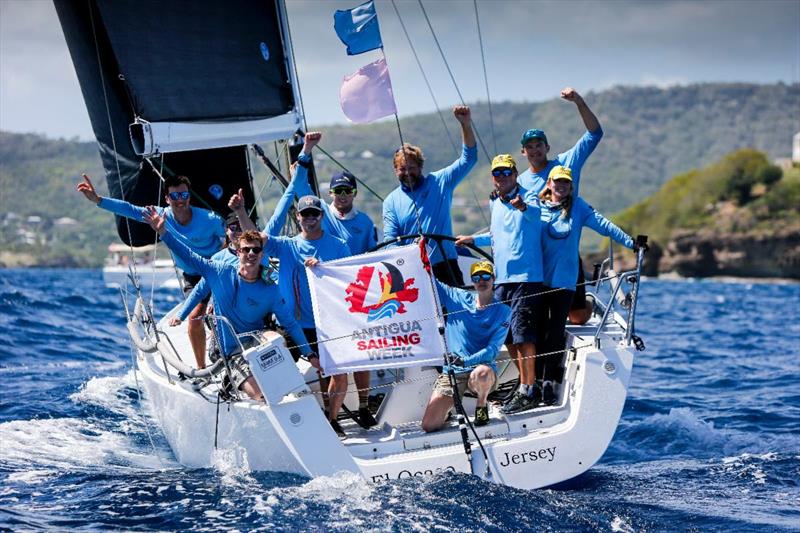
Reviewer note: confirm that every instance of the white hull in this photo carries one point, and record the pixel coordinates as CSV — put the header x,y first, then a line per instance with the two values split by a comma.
x,y
157,276
533,449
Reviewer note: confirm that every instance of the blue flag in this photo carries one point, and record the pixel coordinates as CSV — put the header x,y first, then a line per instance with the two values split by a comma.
x,y
358,28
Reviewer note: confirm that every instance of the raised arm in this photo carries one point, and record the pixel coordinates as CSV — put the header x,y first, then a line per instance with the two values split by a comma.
x,y
453,174
236,203
118,207
464,117
589,119
176,246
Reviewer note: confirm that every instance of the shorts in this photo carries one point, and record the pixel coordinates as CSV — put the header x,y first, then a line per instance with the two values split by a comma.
x,y
239,370
189,283
526,310
442,386
579,300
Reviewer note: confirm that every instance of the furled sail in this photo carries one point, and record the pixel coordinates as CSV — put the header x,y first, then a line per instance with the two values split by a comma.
x,y
189,81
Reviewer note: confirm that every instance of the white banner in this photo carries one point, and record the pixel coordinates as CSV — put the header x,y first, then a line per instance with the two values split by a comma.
x,y
375,311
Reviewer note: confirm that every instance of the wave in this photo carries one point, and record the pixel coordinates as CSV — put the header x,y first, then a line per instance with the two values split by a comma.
x,y
387,309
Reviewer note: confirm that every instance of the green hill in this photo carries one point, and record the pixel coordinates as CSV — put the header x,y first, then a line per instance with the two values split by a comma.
x,y
738,216
650,135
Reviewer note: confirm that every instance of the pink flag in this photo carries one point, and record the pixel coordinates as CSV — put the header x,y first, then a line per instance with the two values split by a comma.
x,y
367,95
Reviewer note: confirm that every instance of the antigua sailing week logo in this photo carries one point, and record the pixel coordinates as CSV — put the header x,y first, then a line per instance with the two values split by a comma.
x,y
379,291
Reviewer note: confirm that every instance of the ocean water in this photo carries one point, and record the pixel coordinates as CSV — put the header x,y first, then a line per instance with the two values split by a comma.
x,y
709,439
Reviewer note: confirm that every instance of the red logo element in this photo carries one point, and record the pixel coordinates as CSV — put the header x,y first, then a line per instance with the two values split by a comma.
x,y
381,297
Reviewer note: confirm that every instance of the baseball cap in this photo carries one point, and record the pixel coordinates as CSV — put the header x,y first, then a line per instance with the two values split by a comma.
x,y
533,134
309,202
560,173
343,179
503,161
481,266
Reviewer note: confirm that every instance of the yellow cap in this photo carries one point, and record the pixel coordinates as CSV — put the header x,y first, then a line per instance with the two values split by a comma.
x,y
503,161
481,266
560,173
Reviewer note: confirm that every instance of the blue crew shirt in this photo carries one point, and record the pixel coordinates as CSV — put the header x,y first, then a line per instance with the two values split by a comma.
x,y
574,158
355,227
433,198
293,279
561,239
515,237
204,234
475,335
244,304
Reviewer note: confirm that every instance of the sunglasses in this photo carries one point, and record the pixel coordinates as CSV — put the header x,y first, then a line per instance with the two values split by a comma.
x,y
507,172
310,213
175,196
343,191
247,249
481,277
236,228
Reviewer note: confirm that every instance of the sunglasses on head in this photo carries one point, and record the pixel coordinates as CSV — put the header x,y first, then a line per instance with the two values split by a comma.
x,y
343,191
310,213
507,172
247,249
175,196
484,276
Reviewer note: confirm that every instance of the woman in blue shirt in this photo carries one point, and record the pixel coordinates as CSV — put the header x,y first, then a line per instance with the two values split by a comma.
x,y
563,218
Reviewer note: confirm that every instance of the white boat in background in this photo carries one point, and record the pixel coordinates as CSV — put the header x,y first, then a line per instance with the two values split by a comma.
x,y
151,272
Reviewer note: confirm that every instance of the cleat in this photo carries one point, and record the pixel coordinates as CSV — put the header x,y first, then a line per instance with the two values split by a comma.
x,y
481,416
365,418
519,402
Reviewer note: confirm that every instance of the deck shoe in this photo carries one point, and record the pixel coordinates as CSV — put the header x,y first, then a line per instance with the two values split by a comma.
x,y
338,429
548,394
481,416
365,418
519,402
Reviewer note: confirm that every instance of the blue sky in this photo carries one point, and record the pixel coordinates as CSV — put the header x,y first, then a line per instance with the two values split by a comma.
x,y
532,48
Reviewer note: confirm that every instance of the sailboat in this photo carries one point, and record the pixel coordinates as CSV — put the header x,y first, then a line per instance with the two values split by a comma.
x,y
172,89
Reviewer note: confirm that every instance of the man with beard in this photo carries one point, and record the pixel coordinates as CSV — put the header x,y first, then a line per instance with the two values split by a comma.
x,y
421,203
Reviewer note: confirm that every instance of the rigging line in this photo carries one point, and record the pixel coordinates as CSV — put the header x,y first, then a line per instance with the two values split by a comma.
x,y
424,77
485,77
452,77
475,129
155,244
294,67
111,128
405,161
370,189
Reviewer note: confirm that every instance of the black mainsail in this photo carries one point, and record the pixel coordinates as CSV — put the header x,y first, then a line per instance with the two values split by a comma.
x,y
189,82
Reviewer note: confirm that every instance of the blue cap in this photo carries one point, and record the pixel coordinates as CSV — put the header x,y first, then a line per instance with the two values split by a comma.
x,y
309,202
343,179
533,134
